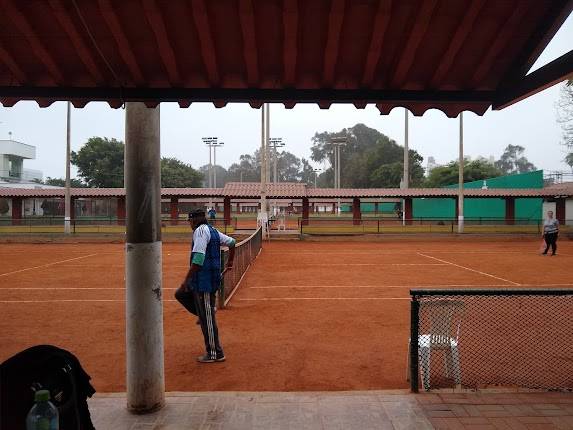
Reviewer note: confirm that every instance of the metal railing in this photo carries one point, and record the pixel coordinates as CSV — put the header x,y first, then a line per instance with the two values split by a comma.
x,y
245,253
519,338
372,225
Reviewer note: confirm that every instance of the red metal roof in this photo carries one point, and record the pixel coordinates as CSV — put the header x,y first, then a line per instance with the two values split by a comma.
x,y
445,54
288,190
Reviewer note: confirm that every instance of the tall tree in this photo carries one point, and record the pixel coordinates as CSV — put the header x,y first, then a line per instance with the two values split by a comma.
x,y
365,159
100,162
248,169
288,167
513,161
473,171
565,118
176,174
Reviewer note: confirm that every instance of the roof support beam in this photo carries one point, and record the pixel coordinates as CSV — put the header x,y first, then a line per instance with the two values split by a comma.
x,y
36,44
457,41
9,61
84,53
166,52
208,52
335,20
544,77
125,50
503,37
419,28
247,18
377,41
549,25
290,27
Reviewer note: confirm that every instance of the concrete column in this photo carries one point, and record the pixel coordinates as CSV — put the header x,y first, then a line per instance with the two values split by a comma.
x,y
408,211
227,210
17,204
174,210
305,211
510,210
120,211
144,308
460,206
560,210
356,213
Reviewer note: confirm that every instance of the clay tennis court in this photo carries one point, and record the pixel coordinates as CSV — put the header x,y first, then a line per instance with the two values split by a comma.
x,y
307,316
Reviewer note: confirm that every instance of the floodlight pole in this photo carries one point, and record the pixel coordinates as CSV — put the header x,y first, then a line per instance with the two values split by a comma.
x,y
461,177
263,162
215,163
68,196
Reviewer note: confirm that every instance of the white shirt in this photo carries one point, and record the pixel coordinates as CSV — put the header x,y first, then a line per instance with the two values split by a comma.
x,y
202,236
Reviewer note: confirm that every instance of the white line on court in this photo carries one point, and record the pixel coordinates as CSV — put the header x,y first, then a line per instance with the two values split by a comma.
x,y
476,286
71,288
46,265
469,269
359,264
71,300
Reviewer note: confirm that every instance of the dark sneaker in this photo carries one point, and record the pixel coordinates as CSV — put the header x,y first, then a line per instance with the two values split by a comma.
x,y
207,359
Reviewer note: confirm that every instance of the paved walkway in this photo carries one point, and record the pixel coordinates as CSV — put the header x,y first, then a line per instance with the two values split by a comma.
x,y
341,410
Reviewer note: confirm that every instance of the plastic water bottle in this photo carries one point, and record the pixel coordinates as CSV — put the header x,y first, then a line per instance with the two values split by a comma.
x,y
43,415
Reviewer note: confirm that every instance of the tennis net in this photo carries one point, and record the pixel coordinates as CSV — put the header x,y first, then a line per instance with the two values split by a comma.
x,y
245,253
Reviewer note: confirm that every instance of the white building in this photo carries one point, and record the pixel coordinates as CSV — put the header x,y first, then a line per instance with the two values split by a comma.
x,y
12,156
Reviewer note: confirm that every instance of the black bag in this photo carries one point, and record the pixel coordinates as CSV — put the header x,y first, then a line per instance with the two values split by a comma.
x,y
44,367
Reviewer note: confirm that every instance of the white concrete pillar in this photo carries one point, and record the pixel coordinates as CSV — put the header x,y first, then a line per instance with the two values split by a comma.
x,y
461,177
144,306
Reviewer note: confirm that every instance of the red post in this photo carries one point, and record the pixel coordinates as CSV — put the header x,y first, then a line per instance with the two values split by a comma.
x,y
376,208
510,210
16,210
560,210
333,207
305,208
238,208
174,210
356,214
227,210
120,211
408,211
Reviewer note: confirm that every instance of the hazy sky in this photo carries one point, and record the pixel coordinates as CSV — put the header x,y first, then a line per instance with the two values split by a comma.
x,y
531,123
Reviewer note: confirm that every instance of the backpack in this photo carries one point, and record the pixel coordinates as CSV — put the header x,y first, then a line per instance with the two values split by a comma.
x,y
44,367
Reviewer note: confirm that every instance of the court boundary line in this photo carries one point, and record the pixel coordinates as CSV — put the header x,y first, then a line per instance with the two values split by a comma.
x,y
470,269
46,265
269,299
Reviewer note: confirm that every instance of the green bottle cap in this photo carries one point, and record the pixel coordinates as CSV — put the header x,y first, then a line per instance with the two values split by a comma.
x,y
42,396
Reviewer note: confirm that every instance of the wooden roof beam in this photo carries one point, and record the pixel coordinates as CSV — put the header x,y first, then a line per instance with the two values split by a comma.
x,y
112,21
84,53
335,20
208,52
542,78
381,22
417,33
166,52
36,44
290,43
247,18
10,62
464,29
501,40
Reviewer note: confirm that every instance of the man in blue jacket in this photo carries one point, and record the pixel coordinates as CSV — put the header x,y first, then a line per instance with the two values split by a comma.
x,y
197,292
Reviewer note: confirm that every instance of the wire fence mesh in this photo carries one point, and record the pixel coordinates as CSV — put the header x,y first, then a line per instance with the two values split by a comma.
x,y
245,253
483,338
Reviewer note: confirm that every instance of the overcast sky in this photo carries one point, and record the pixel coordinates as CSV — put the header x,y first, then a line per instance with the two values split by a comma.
x,y
531,123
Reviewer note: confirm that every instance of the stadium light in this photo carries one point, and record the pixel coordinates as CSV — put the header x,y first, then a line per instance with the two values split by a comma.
x,y
275,142
337,142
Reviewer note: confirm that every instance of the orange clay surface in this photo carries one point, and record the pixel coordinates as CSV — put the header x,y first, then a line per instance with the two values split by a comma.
x,y
308,315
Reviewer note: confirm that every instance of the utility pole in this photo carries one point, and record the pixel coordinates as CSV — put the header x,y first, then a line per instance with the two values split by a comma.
x,y
315,175
461,177
337,142
68,195
215,162
263,162
274,143
210,142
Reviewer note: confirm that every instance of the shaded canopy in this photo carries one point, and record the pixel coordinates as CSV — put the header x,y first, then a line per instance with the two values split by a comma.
x,y
446,54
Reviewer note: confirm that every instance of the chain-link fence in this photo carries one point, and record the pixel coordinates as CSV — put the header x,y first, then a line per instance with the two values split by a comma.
x,y
245,253
484,338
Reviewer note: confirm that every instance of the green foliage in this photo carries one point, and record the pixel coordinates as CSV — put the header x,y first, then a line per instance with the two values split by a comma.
x,y
176,174
569,160
100,162
368,160
512,161
473,171
61,182
248,169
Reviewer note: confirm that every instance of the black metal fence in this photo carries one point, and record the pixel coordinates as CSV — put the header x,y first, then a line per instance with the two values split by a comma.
x,y
490,338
